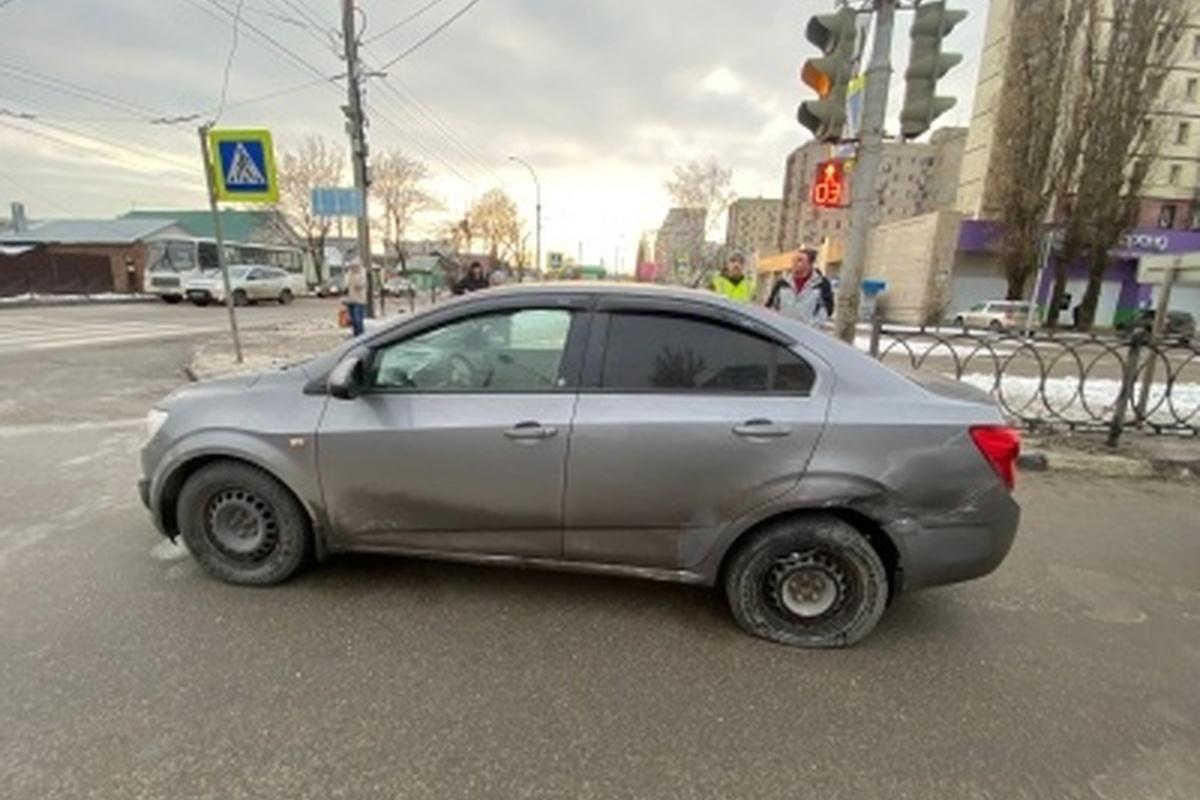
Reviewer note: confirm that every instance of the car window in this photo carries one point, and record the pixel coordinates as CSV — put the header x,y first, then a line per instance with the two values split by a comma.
x,y
510,351
653,352
979,307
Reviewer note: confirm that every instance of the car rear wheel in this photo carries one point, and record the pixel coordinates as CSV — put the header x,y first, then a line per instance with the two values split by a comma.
x,y
811,581
239,297
285,297
171,299
996,326
242,525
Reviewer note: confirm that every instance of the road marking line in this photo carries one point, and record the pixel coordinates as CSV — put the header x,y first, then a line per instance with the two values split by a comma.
x,y
59,345
10,431
97,330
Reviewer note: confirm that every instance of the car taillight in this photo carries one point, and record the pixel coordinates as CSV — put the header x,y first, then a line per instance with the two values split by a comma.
x,y
1000,445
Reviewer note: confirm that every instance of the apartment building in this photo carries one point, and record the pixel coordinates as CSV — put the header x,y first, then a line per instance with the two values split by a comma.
x,y
1171,195
753,226
914,178
679,243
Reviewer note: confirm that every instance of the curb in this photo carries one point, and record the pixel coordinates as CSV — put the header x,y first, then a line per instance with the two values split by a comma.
x,y
52,303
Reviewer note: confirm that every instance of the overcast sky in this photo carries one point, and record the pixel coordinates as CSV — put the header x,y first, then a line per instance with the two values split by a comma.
x,y
601,96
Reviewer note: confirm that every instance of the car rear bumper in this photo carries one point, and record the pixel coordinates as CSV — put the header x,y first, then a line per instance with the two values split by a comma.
x,y
940,553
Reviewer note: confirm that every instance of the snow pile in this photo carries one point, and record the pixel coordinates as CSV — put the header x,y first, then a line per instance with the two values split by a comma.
x,y
1095,401
102,297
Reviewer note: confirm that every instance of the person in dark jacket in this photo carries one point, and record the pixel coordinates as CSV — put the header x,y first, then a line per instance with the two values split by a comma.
x,y
473,281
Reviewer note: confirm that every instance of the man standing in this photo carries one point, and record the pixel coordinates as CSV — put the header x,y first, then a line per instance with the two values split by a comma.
x,y
805,294
356,295
473,281
732,281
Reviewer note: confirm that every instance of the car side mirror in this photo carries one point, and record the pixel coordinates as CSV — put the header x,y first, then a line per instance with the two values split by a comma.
x,y
347,380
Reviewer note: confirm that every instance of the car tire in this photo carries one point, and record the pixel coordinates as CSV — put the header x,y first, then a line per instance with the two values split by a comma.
x,y
199,303
960,322
243,525
170,300
285,297
810,581
996,326
239,297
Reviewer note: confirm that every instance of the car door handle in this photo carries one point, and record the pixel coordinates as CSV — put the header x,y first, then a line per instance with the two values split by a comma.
x,y
525,431
761,429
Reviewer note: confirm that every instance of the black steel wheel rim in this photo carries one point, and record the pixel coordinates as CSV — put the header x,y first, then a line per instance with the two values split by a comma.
x,y
241,525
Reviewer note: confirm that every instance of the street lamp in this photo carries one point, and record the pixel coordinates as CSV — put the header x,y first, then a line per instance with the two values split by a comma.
x,y
538,218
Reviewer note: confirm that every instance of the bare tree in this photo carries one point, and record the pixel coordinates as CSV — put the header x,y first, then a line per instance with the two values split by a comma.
x,y
1035,151
397,181
494,220
316,162
1129,49
702,184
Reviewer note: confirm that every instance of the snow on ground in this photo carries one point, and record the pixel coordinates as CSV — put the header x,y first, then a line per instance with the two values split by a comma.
x,y
103,297
1029,397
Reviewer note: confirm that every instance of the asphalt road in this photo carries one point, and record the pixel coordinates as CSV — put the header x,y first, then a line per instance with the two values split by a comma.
x,y
125,672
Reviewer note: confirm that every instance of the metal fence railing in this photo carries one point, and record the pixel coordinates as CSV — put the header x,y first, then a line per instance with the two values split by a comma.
x,y
1061,379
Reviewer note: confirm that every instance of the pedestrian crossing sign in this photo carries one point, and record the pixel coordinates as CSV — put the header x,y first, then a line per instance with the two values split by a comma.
x,y
244,166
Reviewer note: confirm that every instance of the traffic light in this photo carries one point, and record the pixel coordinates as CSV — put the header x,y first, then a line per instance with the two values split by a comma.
x,y
926,65
829,186
829,76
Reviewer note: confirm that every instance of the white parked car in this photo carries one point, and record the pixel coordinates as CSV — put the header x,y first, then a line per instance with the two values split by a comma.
x,y
248,282
997,315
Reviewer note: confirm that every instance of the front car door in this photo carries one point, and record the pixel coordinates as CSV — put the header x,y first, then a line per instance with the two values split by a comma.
x,y
459,443
685,423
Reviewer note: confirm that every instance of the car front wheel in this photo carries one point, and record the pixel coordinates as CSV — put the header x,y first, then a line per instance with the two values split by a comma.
x,y
243,525
811,581
285,297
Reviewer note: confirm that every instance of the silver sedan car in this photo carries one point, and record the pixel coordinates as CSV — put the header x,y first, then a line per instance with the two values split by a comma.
x,y
658,433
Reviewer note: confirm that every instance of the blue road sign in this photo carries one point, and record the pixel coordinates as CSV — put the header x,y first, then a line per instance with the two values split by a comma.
x,y
245,166
334,201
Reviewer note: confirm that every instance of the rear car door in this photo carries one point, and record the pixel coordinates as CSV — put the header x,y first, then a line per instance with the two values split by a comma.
x,y
685,423
459,443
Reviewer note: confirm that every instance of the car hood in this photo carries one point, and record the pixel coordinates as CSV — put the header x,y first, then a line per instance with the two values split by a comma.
x,y
214,387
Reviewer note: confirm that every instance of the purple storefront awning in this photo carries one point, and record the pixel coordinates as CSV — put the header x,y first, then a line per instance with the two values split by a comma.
x,y
982,236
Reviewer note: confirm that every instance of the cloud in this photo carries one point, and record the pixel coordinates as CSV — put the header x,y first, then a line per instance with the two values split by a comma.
x,y
722,81
603,97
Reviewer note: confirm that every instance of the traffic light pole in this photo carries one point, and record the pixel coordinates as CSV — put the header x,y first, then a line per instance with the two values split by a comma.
x,y
358,145
866,170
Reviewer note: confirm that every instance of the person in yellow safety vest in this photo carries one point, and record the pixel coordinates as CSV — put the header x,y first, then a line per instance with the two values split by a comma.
x,y
732,281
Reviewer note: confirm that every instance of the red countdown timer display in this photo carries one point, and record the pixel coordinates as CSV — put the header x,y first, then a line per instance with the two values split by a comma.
x,y
829,189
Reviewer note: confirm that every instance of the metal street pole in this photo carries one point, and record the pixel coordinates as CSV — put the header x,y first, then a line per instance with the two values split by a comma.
x,y
866,170
210,182
355,126
537,269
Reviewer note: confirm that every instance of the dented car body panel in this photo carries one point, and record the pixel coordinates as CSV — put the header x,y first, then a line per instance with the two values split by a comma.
x,y
576,475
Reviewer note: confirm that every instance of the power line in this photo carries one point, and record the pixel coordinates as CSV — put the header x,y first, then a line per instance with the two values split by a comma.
x,y
425,39
94,140
233,44
77,90
8,176
403,22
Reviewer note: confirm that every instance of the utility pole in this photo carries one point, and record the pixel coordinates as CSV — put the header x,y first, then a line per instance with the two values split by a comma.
x,y
866,170
537,185
356,127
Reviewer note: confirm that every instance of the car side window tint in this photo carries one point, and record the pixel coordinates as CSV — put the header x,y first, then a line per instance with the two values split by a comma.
x,y
519,351
657,352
